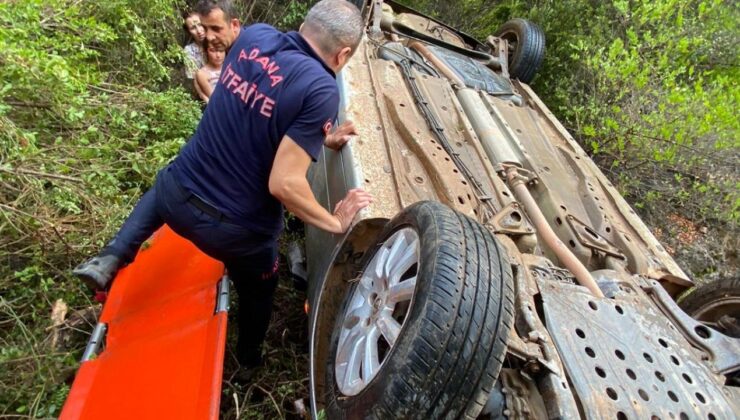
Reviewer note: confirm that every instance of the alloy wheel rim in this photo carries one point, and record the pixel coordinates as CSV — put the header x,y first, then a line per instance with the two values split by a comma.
x,y
377,311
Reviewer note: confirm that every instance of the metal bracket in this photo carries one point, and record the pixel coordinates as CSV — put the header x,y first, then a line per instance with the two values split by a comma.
x,y
723,350
523,176
222,295
375,31
588,237
523,401
511,220
96,341
561,403
500,50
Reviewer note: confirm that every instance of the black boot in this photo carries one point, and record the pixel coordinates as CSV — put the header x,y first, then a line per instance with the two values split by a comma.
x,y
98,272
248,368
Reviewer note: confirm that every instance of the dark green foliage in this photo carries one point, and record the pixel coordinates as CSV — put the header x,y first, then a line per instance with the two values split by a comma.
x,y
84,125
90,109
649,87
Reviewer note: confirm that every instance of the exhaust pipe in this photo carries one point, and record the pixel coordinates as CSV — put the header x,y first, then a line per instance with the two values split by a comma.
x,y
489,132
570,261
504,152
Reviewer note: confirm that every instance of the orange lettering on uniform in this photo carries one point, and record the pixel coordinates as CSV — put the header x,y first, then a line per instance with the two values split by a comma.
x,y
257,97
250,92
243,55
272,67
227,73
263,61
274,80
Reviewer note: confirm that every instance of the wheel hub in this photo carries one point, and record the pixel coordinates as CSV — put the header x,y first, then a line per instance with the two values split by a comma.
x,y
376,305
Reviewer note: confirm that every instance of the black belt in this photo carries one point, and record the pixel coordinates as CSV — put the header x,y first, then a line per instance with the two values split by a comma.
x,y
207,208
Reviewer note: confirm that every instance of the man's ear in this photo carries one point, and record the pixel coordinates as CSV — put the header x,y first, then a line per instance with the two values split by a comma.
x,y
343,56
235,24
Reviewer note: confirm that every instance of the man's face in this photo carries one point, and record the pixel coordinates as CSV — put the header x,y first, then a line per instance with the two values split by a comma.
x,y
219,32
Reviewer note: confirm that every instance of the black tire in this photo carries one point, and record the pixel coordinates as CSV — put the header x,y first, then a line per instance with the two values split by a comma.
x,y
452,344
710,302
526,48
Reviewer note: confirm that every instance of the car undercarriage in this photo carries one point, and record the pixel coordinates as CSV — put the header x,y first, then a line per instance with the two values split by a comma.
x,y
499,273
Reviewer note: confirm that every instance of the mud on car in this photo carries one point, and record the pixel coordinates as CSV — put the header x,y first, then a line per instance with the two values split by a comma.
x,y
498,273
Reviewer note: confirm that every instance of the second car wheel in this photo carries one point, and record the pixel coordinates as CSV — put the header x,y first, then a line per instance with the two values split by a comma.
x,y
424,326
716,304
526,48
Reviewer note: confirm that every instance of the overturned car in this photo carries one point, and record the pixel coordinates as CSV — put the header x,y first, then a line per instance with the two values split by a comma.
x,y
499,273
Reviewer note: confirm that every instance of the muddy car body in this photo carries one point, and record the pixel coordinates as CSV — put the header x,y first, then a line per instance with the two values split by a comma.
x,y
558,300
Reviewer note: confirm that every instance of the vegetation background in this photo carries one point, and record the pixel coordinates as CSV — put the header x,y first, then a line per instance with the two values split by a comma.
x,y
92,104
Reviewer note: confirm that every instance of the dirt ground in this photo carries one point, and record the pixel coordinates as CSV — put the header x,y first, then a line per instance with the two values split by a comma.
x,y
706,253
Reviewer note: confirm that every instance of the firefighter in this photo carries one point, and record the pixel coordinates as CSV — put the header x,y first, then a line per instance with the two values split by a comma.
x,y
272,111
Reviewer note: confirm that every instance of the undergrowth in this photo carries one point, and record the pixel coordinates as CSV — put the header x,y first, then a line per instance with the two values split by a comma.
x,y
92,104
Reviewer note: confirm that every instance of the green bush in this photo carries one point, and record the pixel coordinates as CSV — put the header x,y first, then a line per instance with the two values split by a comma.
x,y
649,87
90,109
86,120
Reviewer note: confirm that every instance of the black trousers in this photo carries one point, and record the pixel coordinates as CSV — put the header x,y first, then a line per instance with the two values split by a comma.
x,y
251,258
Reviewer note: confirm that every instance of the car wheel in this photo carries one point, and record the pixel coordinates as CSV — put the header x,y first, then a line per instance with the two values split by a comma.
x,y
526,48
423,330
716,304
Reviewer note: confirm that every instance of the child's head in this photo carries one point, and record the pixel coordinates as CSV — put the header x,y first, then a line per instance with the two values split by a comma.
x,y
214,55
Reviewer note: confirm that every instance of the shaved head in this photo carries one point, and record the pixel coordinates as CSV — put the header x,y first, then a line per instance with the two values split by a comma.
x,y
333,25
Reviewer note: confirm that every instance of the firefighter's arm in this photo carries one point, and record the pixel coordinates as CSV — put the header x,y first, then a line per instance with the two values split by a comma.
x,y
288,184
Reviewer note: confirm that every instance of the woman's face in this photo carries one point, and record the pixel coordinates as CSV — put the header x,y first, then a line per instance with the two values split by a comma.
x,y
216,56
195,28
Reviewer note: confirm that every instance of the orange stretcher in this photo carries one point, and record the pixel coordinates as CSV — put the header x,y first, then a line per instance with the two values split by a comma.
x,y
158,349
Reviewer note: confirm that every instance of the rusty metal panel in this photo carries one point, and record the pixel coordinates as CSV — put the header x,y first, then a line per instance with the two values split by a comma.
x,y
634,236
411,166
626,360
430,28
369,151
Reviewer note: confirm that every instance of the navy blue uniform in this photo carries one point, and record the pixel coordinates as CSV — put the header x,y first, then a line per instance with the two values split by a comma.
x,y
215,193
271,84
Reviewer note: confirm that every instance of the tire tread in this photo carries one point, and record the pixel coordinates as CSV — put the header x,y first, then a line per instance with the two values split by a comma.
x,y
450,364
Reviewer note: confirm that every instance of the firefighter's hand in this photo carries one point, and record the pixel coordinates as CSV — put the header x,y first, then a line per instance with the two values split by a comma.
x,y
340,136
346,209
